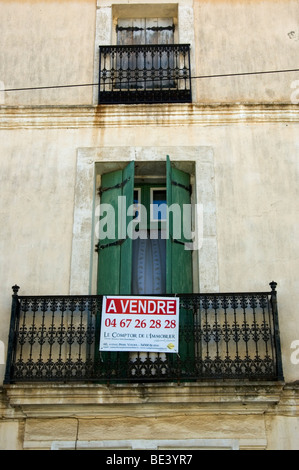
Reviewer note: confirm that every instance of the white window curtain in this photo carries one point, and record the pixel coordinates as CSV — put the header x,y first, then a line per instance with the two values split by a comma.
x,y
149,265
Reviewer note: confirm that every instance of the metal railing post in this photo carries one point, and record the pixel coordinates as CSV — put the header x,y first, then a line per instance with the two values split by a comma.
x,y
11,334
99,81
273,293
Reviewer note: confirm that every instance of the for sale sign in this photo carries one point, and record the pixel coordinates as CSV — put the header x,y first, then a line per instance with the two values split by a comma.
x,y
148,324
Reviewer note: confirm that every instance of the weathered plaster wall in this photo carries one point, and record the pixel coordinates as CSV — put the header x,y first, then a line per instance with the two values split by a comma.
x,y
237,36
44,44
50,43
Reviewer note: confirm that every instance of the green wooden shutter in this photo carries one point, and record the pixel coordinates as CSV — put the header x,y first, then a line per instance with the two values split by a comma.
x,y
115,254
179,261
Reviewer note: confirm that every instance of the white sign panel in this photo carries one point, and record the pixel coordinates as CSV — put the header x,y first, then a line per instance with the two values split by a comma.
x,y
148,324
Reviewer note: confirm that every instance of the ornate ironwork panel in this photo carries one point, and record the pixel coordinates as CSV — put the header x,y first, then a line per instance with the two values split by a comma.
x,y
228,336
145,74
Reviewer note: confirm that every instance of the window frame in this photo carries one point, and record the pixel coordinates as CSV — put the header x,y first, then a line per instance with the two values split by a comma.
x,y
92,162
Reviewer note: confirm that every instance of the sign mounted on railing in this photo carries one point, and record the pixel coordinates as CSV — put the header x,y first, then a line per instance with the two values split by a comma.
x,y
144,324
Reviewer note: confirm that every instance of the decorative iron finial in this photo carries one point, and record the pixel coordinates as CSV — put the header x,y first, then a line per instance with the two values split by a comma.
x,y
273,285
15,289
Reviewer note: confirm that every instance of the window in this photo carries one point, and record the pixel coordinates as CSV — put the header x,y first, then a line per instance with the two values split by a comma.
x,y
149,247
145,31
158,204
145,65
93,162
164,24
132,224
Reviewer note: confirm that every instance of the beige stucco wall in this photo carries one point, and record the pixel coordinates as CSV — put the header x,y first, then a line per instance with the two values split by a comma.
x,y
246,36
49,43
282,432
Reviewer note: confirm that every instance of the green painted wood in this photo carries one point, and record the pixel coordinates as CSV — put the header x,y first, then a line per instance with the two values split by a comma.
x,y
109,258
115,261
179,260
126,248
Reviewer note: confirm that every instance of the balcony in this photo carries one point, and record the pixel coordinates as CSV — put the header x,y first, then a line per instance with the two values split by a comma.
x,y
222,336
145,74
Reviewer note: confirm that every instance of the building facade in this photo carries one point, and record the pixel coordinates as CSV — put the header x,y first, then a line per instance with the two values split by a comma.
x,y
122,107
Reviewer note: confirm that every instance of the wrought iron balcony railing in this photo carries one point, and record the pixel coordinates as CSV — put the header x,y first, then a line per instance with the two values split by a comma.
x,y
223,336
145,74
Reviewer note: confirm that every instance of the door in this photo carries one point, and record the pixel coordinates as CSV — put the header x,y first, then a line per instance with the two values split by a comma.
x,y
149,266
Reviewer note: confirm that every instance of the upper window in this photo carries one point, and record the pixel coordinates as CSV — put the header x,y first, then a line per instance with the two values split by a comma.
x,y
145,31
145,65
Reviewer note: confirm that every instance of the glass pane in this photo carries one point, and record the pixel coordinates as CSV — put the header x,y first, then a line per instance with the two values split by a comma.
x,y
136,202
159,204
